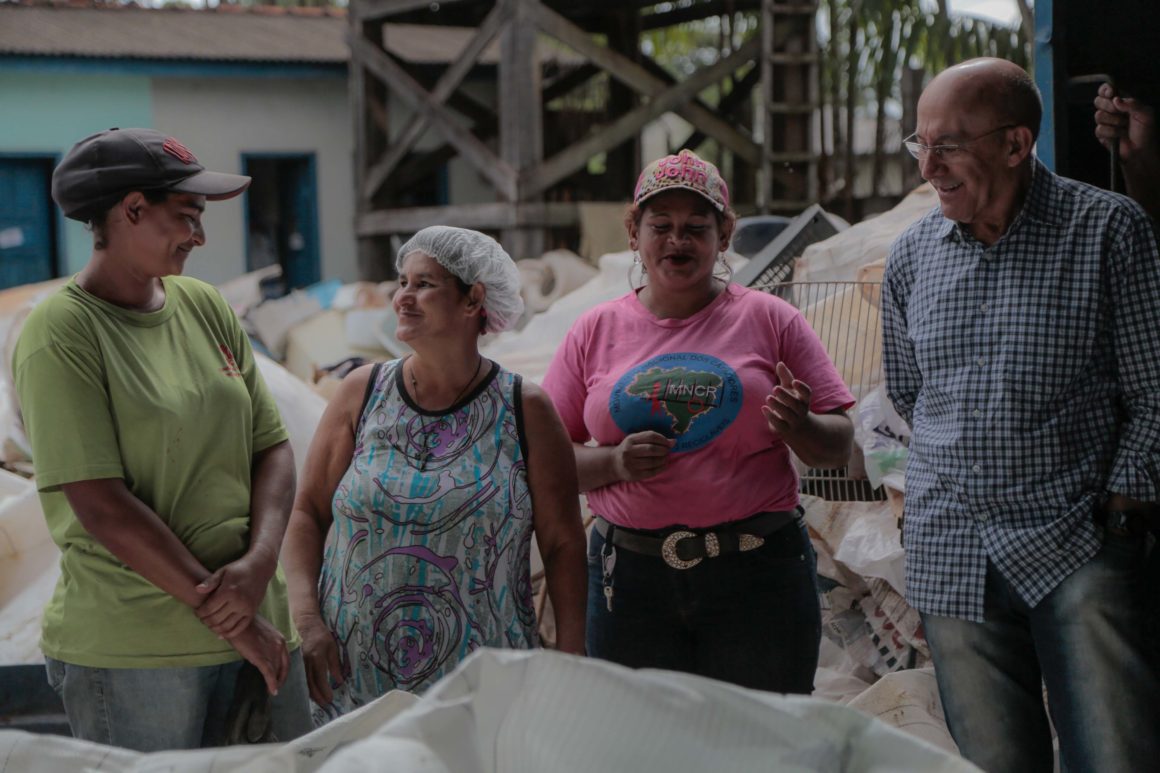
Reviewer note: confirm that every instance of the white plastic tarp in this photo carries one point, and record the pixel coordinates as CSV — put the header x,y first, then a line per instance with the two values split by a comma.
x,y
840,258
28,569
528,712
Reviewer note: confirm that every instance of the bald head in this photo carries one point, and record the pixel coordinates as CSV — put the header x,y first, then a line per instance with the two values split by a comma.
x,y
992,85
978,122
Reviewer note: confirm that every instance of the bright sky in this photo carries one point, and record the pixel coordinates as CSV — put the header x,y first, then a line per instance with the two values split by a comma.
x,y
1000,10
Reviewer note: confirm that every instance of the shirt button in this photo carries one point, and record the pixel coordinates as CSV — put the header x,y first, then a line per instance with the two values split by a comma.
x,y
977,413
982,361
982,516
985,307
977,468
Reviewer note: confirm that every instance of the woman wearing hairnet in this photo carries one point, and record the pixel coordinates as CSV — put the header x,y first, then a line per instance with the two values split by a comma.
x,y
409,543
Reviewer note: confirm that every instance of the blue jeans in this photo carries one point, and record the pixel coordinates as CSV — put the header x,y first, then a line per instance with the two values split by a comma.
x,y
1088,641
749,618
155,709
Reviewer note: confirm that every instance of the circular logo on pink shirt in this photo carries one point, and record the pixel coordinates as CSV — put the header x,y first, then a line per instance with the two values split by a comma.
x,y
684,395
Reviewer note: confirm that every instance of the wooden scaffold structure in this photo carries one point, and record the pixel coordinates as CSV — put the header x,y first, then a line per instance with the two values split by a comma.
x,y
535,157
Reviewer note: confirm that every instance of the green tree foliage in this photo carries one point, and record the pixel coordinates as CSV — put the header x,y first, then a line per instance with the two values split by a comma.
x,y
867,44
684,48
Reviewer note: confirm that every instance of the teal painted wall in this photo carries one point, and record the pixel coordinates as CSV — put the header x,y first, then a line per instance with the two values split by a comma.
x,y
45,113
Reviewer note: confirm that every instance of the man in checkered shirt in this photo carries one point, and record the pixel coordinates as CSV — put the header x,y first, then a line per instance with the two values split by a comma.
x,y
1022,342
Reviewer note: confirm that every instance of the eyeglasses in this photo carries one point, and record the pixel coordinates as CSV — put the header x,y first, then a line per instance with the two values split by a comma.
x,y
946,152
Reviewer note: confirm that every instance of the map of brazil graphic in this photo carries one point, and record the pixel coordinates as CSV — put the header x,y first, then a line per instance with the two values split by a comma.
x,y
688,396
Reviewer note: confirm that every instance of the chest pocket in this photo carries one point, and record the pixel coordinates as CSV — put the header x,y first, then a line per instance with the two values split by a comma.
x,y
1043,351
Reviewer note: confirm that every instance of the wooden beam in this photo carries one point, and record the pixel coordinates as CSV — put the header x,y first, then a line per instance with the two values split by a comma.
x,y
420,166
377,110
570,81
660,72
498,172
521,116
637,77
765,168
741,91
366,10
600,7
620,67
443,89
489,217
721,130
472,108
547,174
356,90
368,97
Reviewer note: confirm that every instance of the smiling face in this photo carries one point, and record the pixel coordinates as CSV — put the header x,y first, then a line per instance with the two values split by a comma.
x,y
431,301
164,232
678,238
979,184
970,180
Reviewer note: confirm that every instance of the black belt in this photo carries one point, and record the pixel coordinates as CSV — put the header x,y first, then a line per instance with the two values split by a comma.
x,y
684,548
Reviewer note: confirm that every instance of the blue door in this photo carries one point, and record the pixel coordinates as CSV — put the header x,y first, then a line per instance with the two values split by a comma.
x,y
302,258
27,221
282,216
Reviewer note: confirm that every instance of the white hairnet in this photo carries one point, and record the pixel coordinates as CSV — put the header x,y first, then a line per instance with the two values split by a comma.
x,y
474,257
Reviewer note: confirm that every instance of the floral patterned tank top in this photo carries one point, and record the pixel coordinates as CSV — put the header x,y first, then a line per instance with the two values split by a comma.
x,y
428,556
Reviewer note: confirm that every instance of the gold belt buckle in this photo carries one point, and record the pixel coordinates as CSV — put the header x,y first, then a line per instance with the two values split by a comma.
x,y
750,542
669,550
712,548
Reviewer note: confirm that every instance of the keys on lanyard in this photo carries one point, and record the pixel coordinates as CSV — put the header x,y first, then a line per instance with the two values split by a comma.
x,y
608,563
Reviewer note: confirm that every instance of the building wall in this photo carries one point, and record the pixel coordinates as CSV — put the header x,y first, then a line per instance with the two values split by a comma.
x,y
47,112
224,118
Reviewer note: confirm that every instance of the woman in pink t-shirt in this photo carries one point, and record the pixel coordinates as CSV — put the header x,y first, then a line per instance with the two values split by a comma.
x,y
694,391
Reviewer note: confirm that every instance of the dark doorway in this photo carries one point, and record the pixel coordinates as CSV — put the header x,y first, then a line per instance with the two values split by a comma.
x,y
28,234
282,216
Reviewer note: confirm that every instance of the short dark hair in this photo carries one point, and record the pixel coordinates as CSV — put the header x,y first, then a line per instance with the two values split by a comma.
x,y
97,222
1018,101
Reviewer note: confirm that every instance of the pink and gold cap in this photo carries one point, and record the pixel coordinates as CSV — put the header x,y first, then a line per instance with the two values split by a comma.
x,y
686,171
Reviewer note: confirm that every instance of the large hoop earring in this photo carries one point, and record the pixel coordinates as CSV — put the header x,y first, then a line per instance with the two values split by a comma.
x,y
723,270
637,263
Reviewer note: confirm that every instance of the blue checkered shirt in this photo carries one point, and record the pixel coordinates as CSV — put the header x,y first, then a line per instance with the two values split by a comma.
x,y
1030,374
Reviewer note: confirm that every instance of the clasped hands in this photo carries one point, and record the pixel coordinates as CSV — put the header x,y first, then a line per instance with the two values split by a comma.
x,y
232,596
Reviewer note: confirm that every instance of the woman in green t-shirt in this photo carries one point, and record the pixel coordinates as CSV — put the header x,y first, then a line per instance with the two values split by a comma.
x,y
163,466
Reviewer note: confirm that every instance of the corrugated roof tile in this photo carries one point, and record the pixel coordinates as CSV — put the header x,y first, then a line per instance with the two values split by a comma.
x,y
80,29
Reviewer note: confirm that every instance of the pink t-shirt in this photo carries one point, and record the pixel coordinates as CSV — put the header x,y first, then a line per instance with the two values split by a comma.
x,y
701,380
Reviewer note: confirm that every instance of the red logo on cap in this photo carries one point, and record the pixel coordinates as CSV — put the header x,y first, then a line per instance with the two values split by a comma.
x,y
178,151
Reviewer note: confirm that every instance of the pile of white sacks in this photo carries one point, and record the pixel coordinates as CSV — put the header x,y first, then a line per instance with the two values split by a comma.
x,y
529,712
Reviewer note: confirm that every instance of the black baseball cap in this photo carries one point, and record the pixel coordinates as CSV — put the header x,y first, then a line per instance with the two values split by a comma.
x,y
100,170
